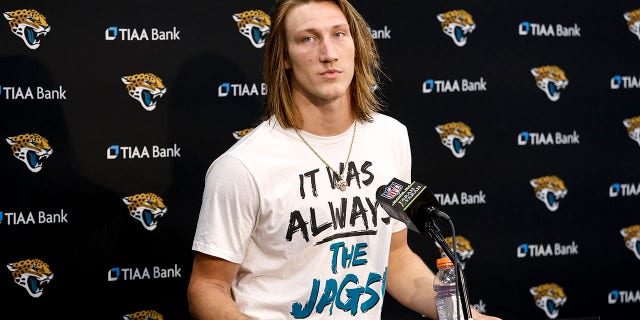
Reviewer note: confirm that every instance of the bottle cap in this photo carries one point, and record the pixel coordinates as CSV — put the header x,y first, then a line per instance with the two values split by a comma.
x,y
444,262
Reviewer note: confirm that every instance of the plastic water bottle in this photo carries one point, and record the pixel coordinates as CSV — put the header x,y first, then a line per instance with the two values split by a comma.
x,y
445,286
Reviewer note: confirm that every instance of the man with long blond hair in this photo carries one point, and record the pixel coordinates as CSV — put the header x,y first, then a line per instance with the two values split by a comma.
x,y
289,226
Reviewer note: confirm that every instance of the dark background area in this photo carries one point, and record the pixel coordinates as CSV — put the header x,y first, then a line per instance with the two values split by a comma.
x,y
99,235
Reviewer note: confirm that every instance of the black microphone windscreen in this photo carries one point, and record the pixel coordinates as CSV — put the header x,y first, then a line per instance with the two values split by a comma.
x,y
405,202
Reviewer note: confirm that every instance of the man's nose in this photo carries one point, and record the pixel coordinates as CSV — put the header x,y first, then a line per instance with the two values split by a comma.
x,y
328,51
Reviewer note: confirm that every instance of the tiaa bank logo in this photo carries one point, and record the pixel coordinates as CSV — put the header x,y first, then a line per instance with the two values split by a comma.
x,y
456,136
527,28
33,217
30,148
480,306
549,297
144,315
255,25
549,190
384,33
144,273
242,89
624,190
547,138
457,24
444,86
623,296
146,88
142,152
32,275
633,128
633,21
550,79
131,34
29,25
463,251
32,93
631,235
624,82
147,208
527,250
462,198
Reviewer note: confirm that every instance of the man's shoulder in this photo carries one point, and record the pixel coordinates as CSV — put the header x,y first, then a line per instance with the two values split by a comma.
x,y
387,121
267,135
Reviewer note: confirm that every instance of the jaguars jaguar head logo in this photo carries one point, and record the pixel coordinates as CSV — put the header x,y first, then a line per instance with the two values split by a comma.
x,y
549,190
30,148
633,128
145,88
550,79
463,251
32,275
147,208
456,136
457,24
241,133
29,25
631,236
549,297
633,21
255,25
144,315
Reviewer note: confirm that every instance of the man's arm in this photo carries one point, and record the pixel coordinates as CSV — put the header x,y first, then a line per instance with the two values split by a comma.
x,y
410,281
209,291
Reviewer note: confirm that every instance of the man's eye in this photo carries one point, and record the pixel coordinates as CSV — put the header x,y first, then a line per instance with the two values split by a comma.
x,y
340,34
307,39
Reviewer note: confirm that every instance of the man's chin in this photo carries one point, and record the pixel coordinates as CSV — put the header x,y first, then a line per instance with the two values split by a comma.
x,y
321,93
333,92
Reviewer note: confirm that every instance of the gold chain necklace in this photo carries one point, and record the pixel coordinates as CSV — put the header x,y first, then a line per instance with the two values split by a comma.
x,y
341,184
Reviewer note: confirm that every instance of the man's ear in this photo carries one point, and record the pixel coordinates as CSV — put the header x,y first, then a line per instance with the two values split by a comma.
x,y
287,65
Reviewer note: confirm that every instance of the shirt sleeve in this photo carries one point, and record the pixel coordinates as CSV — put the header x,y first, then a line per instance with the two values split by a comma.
x,y
228,212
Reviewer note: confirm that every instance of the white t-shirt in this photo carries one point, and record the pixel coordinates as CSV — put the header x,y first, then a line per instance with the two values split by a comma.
x,y
306,249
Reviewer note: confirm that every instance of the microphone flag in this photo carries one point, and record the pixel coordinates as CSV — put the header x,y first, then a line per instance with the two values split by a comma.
x,y
404,201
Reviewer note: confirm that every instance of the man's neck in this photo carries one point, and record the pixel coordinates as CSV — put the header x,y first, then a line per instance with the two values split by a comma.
x,y
325,118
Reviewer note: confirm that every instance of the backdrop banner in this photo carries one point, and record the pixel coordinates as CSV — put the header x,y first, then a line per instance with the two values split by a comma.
x,y
524,120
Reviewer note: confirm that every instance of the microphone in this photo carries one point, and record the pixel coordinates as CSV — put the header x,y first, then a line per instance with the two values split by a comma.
x,y
411,203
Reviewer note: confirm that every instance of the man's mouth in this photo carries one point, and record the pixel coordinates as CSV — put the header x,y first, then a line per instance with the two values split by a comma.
x,y
330,73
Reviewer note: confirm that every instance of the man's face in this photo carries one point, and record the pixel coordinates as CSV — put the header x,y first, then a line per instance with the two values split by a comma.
x,y
321,51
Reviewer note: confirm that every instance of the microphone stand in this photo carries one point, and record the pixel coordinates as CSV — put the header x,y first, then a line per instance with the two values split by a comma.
x,y
434,232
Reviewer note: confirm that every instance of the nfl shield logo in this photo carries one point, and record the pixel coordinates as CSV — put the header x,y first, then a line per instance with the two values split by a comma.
x,y
392,190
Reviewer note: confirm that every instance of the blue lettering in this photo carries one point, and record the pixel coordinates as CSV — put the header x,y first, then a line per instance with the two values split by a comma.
x,y
373,300
352,294
332,293
296,309
335,247
349,258
358,253
384,282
